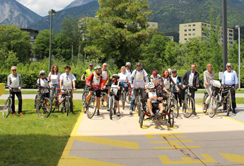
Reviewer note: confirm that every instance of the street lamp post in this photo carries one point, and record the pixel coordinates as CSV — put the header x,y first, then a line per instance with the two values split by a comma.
x,y
224,35
51,13
239,53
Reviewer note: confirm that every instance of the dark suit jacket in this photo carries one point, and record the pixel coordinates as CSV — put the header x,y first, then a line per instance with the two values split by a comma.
x,y
185,78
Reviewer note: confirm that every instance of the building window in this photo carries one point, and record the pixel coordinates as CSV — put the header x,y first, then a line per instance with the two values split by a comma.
x,y
185,25
189,25
185,30
194,25
185,34
153,25
194,29
185,38
189,34
189,30
193,34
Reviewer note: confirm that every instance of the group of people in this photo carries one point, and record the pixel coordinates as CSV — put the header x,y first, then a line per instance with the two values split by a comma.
x,y
98,79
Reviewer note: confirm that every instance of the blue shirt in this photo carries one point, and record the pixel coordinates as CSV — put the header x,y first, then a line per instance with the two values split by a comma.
x,y
230,78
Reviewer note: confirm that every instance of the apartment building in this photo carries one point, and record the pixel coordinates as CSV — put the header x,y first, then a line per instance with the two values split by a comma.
x,y
189,31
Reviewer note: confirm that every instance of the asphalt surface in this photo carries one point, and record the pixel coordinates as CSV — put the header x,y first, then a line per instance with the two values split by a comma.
x,y
198,140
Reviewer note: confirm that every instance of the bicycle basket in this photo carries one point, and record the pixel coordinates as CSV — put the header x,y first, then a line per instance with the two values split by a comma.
x,y
216,84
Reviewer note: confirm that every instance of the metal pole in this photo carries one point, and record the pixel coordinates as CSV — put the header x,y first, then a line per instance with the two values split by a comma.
x,y
224,35
239,54
50,42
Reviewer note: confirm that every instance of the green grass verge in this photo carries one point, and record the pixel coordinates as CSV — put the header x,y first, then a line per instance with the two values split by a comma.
x,y
35,92
239,100
29,140
203,91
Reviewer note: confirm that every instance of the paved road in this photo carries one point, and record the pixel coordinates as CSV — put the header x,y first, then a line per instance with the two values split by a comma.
x,y
199,140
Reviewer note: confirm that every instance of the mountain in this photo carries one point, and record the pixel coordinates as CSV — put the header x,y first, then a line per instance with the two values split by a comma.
x,y
168,13
12,12
78,3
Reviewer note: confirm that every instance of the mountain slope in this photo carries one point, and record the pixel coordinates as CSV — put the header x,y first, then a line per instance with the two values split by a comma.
x,y
78,3
12,12
85,10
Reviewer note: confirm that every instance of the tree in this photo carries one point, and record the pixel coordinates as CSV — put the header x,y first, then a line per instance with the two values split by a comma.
x,y
12,39
119,31
12,60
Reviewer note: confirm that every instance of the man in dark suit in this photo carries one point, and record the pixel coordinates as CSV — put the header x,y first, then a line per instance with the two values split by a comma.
x,y
191,78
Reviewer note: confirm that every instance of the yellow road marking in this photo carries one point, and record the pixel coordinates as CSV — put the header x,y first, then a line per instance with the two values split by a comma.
x,y
233,157
77,125
187,160
231,119
167,135
174,145
109,142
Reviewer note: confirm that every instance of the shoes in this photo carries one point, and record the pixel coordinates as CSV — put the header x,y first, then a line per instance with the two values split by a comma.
x,y
118,114
98,112
14,113
84,105
234,111
21,113
152,115
130,112
194,113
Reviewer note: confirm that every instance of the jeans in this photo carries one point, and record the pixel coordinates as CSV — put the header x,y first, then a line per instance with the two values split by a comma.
x,y
19,96
55,91
134,92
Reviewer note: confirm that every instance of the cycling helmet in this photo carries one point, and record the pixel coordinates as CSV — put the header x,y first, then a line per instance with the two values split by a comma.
x,y
154,73
151,85
97,68
115,76
91,64
174,71
169,70
138,64
128,64
42,72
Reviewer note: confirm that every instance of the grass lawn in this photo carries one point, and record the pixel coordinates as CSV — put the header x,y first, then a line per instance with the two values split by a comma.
x,y
203,91
239,100
30,141
35,92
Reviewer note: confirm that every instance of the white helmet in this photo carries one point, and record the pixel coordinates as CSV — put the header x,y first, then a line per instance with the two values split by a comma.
x,y
151,85
42,72
169,70
128,64
97,68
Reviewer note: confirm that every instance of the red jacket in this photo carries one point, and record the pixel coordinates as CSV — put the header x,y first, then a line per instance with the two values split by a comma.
x,y
90,80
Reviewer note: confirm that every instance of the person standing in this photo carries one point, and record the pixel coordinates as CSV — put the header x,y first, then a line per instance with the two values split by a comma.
x,y
230,78
208,77
177,81
191,78
54,77
14,81
88,72
128,70
139,77
123,78
67,81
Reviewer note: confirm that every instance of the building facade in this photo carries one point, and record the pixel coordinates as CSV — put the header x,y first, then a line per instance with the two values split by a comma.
x,y
189,31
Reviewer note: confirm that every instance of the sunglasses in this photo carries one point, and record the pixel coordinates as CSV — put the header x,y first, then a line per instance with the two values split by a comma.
x,y
13,70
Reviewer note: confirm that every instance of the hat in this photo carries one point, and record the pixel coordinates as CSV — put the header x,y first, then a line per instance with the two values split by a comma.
x,y
228,64
154,73
42,72
138,64
128,64
97,67
91,64
151,85
174,71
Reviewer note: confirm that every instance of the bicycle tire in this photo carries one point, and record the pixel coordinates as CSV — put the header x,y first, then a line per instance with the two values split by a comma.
x,y
44,110
213,107
175,108
139,106
141,119
67,105
111,107
7,108
228,105
171,120
128,97
91,107
36,102
123,100
84,95
189,106
203,102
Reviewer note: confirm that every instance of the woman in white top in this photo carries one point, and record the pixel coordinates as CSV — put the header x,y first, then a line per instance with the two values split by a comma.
x,y
123,77
15,84
208,76
54,77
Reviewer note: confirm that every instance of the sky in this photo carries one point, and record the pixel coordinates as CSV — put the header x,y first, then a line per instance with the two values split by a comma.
x,y
42,7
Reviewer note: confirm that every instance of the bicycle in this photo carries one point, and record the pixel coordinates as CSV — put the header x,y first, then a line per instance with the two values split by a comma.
x,y
123,93
217,99
43,105
172,102
188,103
62,101
112,102
91,107
138,101
7,108
85,93
104,99
129,95
205,96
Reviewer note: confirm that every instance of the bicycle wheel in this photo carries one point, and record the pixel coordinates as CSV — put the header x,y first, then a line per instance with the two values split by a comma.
x,y
7,108
128,97
84,96
139,105
175,108
45,108
67,105
141,119
123,100
228,105
111,107
36,101
91,107
188,107
104,104
213,107
203,102
171,120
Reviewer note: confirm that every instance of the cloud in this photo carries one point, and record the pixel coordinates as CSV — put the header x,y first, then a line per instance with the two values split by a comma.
x,y
42,7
